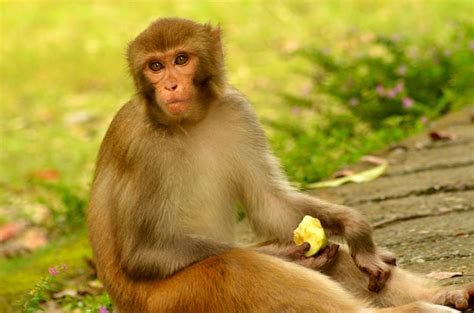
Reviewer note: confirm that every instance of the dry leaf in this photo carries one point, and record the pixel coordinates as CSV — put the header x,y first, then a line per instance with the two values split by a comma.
x,y
96,284
67,292
34,238
443,275
11,230
439,135
343,173
358,178
461,234
37,213
76,118
47,175
373,159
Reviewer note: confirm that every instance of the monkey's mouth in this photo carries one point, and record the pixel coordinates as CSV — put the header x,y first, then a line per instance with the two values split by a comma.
x,y
177,106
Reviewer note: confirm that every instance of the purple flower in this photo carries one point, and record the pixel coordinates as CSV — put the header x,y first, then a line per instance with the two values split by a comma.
x,y
471,45
402,70
103,309
353,101
53,271
396,37
380,90
392,93
296,111
325,51
306,91
424,119
407,102
399,87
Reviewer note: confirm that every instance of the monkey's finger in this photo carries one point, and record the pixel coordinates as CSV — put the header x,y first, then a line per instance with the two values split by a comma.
x,y
377,281
333,249
373,282
461,304
470,295
388,257
457,299
297,252
381,278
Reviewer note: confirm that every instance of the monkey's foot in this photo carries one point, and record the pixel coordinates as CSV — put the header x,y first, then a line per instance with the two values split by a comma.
x,y
375,266
461,299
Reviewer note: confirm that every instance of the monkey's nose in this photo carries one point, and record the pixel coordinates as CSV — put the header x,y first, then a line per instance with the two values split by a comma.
x,y
171,87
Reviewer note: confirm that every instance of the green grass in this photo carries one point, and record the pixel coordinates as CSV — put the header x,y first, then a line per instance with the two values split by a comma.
x,y
61,59
19,275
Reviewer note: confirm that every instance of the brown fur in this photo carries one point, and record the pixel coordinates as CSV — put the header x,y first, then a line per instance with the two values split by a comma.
x,y
161,211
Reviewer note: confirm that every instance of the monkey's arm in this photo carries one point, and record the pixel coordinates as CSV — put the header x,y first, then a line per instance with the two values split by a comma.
x,y
275,209
346,222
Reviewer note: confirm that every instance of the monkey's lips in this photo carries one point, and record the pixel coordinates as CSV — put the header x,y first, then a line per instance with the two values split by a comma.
x,y
177,106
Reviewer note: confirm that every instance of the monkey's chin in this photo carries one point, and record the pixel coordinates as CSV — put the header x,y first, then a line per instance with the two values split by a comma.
x,y
177,108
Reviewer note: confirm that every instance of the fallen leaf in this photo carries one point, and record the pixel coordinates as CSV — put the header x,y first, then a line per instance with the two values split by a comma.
x,y
66,292
358,178
443,275
11,230
52,307
76,118
343,173
96,284
439,135
12,249
373,159
34,238
37,213
47,175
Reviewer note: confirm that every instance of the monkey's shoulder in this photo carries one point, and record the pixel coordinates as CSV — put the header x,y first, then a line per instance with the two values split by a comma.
x,y
125,127
127,121
238,106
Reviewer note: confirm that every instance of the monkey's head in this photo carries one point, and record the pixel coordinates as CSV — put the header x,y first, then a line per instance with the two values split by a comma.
x,y
178,68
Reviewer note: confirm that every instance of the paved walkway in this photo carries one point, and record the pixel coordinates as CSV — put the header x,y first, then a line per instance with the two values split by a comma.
x,y
422,209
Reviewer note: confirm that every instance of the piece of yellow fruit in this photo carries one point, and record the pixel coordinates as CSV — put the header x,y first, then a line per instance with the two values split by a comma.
x,y
310,231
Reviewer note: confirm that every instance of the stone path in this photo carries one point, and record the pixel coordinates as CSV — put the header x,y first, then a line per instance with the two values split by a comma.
x,y
422,209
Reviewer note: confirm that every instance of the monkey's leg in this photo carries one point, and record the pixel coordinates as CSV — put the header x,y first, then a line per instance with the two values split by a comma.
x,y
461,297
402,287
245,281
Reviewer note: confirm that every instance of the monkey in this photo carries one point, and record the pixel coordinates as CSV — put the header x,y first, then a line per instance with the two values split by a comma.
x,y
174,162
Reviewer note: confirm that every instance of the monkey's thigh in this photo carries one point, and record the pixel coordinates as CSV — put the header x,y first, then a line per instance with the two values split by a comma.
x,y
246,281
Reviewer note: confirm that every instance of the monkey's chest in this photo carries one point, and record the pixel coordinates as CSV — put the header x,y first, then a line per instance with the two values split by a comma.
x,y
201,190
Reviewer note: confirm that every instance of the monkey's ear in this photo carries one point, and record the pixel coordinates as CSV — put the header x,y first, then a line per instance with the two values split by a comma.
x,y
215,41
214,32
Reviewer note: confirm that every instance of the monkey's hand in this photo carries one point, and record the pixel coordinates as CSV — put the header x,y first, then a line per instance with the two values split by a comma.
x,y
377,266
321,261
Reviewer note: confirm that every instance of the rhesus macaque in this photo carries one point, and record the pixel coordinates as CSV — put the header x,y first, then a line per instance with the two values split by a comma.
x,y
173,164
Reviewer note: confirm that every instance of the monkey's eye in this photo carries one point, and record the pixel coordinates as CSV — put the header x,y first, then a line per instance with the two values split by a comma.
x,y
155,66
181,59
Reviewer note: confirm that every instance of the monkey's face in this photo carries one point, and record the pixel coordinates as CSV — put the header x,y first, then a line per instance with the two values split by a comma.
x,y
171,75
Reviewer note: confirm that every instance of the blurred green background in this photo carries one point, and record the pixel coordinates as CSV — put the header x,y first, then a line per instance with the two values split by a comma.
x,y
330,80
